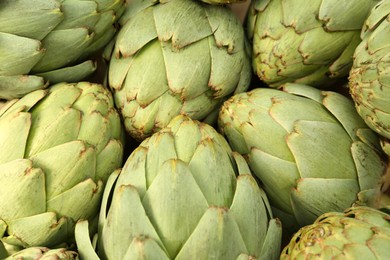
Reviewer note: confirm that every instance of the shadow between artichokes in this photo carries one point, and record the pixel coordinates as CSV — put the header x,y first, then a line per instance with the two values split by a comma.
x,y
183,194
311,150
59,147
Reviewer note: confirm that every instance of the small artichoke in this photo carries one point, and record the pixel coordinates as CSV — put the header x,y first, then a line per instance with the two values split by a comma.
x,y
176,57
183,194
51,40
369,79
313,44
358,233
59,146
310,148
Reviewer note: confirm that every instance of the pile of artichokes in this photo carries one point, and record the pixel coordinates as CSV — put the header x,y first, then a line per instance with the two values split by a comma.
x,y
194,129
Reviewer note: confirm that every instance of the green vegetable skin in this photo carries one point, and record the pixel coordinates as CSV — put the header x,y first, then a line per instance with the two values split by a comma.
x,y
313,44
59,146
176,57
369,77
358,233
183,194
310,148
51,40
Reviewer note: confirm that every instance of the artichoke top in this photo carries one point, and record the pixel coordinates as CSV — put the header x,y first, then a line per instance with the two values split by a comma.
x,y
369,77
189,197
357,233
310,148
176,57
52,40
305,43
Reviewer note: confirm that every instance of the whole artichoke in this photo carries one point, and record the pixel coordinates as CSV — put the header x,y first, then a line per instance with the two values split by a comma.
x,y
51,40
358,233
176,57
183,194
59,146
313,44
310,148
369,79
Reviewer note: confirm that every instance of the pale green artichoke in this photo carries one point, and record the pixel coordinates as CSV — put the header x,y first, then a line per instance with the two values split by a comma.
x,y
58,147
183,194
358,233
176,57
305,42
369,79
310,148
51,40
41,253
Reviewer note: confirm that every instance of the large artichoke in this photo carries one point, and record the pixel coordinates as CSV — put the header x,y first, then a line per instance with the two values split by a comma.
x,y
358,233
51,40
176,57
310,148
59,146
370,74
294,41
183,194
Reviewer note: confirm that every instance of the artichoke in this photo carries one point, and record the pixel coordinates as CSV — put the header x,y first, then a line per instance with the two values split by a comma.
x,y
176,57
41,253
358,233
183,194
369,79
313,44
310,148
59,147
51,40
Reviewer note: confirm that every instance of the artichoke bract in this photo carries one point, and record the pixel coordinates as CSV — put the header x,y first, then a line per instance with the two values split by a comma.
x,y
59,147
176,57
313,44
310,148
369,77
358,233
51,40
183,194
42,253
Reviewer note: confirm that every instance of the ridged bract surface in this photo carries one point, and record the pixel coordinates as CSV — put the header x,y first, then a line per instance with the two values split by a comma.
x,y
370,75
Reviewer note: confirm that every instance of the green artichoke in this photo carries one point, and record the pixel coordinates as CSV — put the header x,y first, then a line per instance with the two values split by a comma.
x,y
310,148
313,44
176,57
59,146
183,194
369,79
358,233
51,40
42,253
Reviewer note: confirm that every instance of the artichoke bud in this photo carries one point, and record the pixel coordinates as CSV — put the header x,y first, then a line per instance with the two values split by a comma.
x,y
307,44
183,194
176,57
368,79
59,147
356,233
310,149
51,40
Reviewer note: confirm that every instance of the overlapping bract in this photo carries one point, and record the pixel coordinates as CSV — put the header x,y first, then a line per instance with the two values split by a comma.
x,y
176,57
358,233
310,148
51,40
370,74
313,44
59,146
183,194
